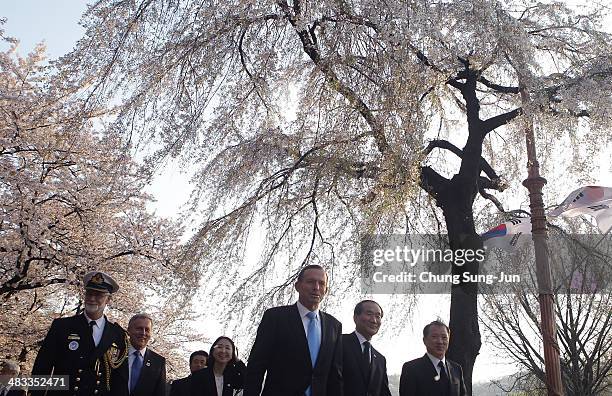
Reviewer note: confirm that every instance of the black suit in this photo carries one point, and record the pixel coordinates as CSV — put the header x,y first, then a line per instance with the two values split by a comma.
x,y
418,379
357,380
68,349
181,387
152,380
281,351
203,381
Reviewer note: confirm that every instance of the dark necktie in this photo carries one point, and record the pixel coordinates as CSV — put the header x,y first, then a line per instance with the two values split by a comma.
x,y
366,355
92,323
136,367
443,376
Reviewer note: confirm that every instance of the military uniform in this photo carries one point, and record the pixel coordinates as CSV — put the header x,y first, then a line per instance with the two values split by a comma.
x,y
69,349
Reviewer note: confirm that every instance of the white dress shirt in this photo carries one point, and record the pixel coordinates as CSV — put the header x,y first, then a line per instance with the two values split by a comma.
x,y
97,329
435,361
219,384
131,359
362,339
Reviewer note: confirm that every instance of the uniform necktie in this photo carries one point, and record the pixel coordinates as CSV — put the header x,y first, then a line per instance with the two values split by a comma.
x,y
443,376
314,341
92,323
136,366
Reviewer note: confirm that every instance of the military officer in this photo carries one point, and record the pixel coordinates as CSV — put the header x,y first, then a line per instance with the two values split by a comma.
x,y
86,347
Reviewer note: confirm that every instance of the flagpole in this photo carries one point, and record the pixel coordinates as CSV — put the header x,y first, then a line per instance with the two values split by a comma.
x,y
534,184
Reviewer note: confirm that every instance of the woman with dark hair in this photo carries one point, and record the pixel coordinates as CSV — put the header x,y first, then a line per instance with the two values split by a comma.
x,y
224,375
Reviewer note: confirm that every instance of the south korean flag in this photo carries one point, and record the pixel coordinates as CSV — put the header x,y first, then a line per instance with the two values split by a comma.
x,y
594,201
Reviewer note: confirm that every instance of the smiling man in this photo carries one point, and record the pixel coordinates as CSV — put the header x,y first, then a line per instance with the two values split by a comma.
x,y
146,370
433,374
298,347
86,347
364,368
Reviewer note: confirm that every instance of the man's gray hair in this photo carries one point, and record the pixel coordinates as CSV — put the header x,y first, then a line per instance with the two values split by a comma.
x,y
140,316
10,364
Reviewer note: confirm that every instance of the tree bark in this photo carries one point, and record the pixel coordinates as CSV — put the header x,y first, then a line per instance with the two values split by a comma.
x,y
456,201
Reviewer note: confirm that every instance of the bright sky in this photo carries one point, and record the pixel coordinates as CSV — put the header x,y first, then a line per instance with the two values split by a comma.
x,y
56,23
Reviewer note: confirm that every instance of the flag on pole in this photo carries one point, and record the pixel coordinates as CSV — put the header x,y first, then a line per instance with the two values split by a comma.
x,y
595,201
509,235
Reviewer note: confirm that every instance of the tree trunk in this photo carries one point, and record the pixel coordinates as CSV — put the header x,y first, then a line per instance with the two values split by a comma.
x,y
456,202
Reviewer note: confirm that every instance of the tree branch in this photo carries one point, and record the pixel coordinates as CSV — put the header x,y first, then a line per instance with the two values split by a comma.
x,y
309,46
494,182
501,119
431,181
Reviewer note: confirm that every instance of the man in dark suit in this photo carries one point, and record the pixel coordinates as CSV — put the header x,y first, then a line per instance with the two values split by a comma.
x,y
145,369
298,347
197,361
9,369
433,374
86,347
364,368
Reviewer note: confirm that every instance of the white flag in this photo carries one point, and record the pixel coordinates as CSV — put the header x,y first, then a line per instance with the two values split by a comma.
x,y
508,236
595,201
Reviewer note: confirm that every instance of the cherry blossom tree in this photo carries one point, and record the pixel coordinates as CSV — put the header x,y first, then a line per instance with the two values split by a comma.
x,y
313,123
71,201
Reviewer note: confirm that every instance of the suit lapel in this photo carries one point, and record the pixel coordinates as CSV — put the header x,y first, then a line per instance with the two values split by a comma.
x,y
145,373
451,377
324,336
85,331
297,327
355,347
431,370
374,366
105,341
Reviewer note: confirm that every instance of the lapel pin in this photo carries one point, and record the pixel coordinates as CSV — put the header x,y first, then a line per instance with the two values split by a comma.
x,y
437,378
148,363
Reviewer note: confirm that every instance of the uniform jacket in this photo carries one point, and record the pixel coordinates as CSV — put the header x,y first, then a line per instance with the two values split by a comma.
x,y
281,352
68,349
358,382
418,379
